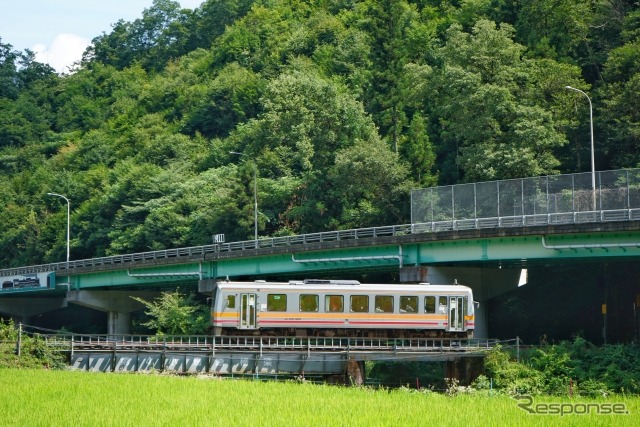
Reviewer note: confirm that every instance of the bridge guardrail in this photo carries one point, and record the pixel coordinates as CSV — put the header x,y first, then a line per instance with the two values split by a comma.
x,y
332,236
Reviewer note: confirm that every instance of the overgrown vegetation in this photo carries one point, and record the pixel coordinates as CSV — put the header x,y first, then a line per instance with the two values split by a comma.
x,y
34,352
176,313
570,368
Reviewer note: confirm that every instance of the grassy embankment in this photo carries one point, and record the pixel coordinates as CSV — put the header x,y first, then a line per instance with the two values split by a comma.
x,y
42,398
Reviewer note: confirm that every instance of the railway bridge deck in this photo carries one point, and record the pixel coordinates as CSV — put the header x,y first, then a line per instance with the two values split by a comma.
x,y
257,356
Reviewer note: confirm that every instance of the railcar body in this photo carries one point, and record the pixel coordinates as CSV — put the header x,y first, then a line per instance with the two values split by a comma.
x,y
342,308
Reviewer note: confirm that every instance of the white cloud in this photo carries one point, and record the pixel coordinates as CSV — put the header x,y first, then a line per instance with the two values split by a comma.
x,y
63,52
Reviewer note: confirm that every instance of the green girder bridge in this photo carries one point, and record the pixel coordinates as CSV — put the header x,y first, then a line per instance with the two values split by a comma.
x,y
341,252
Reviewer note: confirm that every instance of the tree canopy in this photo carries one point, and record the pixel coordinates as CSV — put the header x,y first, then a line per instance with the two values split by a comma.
x,y
338,107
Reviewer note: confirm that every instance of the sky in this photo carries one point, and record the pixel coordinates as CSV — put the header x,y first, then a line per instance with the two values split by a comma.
x,y
58,31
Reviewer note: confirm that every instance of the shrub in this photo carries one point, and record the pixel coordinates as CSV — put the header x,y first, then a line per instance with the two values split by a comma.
x,y
512,377
34,351
572,367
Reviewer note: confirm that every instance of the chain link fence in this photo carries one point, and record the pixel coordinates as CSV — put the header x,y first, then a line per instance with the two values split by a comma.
x,y
528,197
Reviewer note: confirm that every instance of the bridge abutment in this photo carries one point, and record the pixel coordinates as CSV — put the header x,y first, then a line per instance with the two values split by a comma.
x,y
119,305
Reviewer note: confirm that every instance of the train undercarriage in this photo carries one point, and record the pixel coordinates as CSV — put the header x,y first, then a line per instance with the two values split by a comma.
x,y
344,333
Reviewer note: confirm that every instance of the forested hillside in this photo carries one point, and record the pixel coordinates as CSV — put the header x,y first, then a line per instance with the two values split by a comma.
x,y
340,106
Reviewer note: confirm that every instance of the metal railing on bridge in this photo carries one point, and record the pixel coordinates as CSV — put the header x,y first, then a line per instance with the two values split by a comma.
x,y
552,200
75,342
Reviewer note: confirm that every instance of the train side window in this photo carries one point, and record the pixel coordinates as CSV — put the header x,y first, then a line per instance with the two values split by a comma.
x,y
276,302
231,301
384,304
360,303
408,304
334,303
430,304
442,305
308,302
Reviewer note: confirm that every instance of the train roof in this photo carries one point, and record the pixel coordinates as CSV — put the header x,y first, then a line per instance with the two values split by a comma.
x,y
341,286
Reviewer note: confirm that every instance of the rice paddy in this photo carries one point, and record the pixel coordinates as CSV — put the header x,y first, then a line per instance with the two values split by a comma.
x,y
70,398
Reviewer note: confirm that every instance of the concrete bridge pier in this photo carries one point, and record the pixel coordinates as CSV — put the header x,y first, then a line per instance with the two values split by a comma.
x,y
22,309
486,284
119,305
118,323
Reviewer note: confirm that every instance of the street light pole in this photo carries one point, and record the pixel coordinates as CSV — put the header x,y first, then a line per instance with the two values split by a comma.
x,y
68,218
593,163
255,200
255,194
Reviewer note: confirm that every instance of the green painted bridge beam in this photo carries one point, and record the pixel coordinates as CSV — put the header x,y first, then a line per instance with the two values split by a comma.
x,y
292,263
141,276
526,248
303,264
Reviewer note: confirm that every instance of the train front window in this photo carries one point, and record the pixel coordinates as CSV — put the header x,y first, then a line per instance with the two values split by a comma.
x,y
334,303
308,302
359,303
430,304
408,304
384,304
276,302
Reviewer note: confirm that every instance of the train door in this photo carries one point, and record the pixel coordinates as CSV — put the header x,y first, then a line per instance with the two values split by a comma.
x,y
456,314
247,311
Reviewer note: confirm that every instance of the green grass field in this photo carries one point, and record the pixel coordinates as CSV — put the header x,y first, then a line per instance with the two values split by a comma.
x,y
66,398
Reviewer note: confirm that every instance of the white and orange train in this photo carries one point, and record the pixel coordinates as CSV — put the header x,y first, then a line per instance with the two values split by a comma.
x,y
342,308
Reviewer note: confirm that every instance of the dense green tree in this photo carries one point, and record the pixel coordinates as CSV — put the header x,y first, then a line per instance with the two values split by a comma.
x,y
24,87
20,240
257,41
152,40
175,313
619,94
555,29
340,50
8,71
418,149
579,32
31,71
228,100
367,185
341,105
493,123
306,118
213,17
388,24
